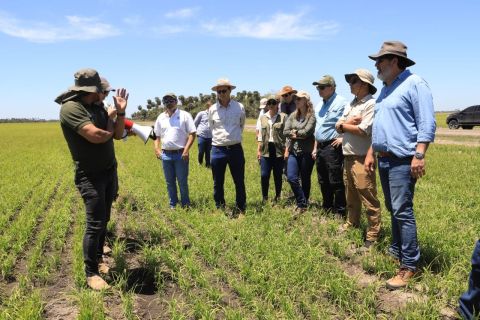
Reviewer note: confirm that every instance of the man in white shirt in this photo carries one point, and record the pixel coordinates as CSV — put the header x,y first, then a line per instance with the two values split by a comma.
x,y
175,133
226,119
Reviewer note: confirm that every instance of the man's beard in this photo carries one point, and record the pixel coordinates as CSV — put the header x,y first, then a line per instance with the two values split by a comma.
x,y
384,74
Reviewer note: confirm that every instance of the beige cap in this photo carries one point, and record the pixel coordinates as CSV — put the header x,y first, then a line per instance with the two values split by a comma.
x,y
365,76
326,80
302,94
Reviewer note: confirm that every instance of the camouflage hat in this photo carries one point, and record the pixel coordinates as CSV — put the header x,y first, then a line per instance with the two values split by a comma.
x,y
87,80
106,85
326,80
272,97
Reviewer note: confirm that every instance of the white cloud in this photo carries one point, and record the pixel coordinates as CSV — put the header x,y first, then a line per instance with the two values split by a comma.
x,y
76,28
281,26
169,30
182,13
133,21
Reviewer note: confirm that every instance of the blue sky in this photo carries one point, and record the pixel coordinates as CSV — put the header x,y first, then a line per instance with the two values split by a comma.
x,y
153,47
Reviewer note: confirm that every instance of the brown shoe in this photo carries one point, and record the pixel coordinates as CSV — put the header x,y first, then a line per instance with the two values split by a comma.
x,y
97,283
401,279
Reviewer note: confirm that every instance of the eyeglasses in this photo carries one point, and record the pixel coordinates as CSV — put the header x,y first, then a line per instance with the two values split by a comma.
x,y
272,102
106,92
322,87
286,95
222,91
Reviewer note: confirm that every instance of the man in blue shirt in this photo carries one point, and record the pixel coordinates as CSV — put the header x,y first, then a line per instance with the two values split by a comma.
x,y
403,127
327,150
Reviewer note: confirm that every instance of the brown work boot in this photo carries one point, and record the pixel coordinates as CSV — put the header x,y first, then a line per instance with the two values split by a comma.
x,y
97,283
103,268
401,279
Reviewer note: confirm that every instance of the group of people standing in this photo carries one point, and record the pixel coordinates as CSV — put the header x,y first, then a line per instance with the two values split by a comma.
x,y
346,140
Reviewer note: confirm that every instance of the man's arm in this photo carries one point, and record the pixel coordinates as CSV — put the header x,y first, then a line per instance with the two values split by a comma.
x,y
96,135
156,145
191,138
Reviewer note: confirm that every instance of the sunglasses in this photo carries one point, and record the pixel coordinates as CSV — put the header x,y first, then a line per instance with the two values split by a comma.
x,y
106,92
222,91
286,95
272,102
169,101
322,87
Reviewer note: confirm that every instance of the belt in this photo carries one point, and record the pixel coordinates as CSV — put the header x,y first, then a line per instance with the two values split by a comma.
x,y
230,146
383,154
323,144
173,151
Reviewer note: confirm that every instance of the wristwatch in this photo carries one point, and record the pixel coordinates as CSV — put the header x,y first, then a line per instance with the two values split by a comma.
x,y
419,155
340,127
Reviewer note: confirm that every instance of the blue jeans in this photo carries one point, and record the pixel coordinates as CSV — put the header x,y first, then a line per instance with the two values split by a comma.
x,y
98,192
267,164
300,166
204,148
234,158
175,168
398,187
470,301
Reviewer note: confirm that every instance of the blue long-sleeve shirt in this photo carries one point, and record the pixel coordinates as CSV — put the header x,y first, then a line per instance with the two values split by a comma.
x,y
201,122
404,116
327,114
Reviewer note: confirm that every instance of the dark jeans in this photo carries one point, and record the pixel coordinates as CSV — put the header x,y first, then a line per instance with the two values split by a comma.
x,y
470,301
330,177
98,192
398,188
204,148
267,164
234,158
300,166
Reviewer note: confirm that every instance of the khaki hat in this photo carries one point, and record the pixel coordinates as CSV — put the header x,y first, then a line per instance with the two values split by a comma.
x,y
223,82
365,76
87,80
272,97
106,85
263,103
326,80
286,89
170,94
396,48
302,94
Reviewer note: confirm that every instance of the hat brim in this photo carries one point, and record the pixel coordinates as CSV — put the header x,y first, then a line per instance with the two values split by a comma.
x,y
321,84
281,93
371,88
223,85
91,89
374,57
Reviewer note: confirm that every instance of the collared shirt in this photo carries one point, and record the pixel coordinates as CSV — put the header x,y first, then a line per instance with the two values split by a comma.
x,y
327,114
271,120
404,116
174,130
354,144
201,122
226,123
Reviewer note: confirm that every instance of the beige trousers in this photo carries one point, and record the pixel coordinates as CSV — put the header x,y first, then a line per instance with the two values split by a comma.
x,y
361,187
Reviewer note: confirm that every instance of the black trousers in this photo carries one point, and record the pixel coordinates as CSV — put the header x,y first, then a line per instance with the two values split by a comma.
x,y
98,192
330,177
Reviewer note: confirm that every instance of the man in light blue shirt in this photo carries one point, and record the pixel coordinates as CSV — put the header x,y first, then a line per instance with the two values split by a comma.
x,y
327,150
403,127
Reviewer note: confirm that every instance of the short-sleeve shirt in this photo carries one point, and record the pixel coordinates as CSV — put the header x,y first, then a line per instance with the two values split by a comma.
x,y
226,123
89,157
354,144
174,130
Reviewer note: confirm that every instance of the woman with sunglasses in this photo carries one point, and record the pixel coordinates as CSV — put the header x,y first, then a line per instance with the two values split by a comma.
x,y
300,127
271,146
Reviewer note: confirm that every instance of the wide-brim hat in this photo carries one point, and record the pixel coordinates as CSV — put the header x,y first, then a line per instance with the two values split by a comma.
x,y
302,94
87,80
287,89
66,96
223,82
365,76
105,85
396,48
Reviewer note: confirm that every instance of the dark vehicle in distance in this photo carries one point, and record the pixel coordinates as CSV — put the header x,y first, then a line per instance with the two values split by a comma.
x,y
467,118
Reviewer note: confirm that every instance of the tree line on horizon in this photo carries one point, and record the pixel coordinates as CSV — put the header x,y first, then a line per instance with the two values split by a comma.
x,y
195,104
